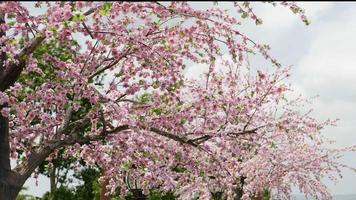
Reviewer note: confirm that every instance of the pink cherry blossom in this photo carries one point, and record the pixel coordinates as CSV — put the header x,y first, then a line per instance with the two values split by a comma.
x,y
115,94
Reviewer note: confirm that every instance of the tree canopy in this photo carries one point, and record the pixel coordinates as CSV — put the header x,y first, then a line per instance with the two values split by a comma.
x,y
114,94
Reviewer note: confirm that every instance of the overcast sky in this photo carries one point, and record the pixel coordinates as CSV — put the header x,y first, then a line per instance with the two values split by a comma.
x,y
323,56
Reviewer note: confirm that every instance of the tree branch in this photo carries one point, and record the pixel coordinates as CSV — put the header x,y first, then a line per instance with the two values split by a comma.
x,y
174,137
204,138
13,71
26,168
110,65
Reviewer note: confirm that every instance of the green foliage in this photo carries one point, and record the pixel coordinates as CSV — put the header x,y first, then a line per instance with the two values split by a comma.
x,y
62,193
78,17
155,195
59,163
27,197
266,195
88,190
175,86
145,98
85,107
90,187
179,169
105,9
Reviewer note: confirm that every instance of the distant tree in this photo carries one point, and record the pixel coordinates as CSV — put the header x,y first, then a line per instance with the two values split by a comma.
x,y
61,193
90,187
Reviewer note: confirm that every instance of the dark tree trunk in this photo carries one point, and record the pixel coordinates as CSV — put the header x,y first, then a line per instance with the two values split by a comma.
x,y
137,194
4,144
240,189
10,186
217,195
10,182
4,121
52,179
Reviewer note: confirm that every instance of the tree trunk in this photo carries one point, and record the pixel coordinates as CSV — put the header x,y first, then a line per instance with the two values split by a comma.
x,y
10,186
137,194
240,190
8,192
52,179
103,190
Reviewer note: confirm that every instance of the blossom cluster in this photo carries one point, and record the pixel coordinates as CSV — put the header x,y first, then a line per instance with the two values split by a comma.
x,y
107,84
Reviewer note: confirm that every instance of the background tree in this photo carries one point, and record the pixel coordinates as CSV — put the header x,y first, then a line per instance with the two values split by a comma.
x,y
87,190
148,118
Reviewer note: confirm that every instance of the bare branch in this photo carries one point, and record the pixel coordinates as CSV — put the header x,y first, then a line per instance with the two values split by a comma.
x,y
88,31
204,138
174,137
110,65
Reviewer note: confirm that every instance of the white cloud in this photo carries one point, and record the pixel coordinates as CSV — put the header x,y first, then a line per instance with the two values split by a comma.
x,y
280,19
328,68
330,64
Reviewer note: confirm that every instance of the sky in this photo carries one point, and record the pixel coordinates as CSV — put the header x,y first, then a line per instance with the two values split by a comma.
x,y
324,64
323,56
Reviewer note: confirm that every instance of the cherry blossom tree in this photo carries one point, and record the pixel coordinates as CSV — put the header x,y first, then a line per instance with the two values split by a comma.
x,y
119,99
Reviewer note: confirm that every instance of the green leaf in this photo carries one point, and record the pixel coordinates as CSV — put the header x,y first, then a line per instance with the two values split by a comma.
x,y
65,24
306,22
258,21
127,164
105,9
179,169
12,23
244,15
141,118
107,6
157,111
146,97
78,17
